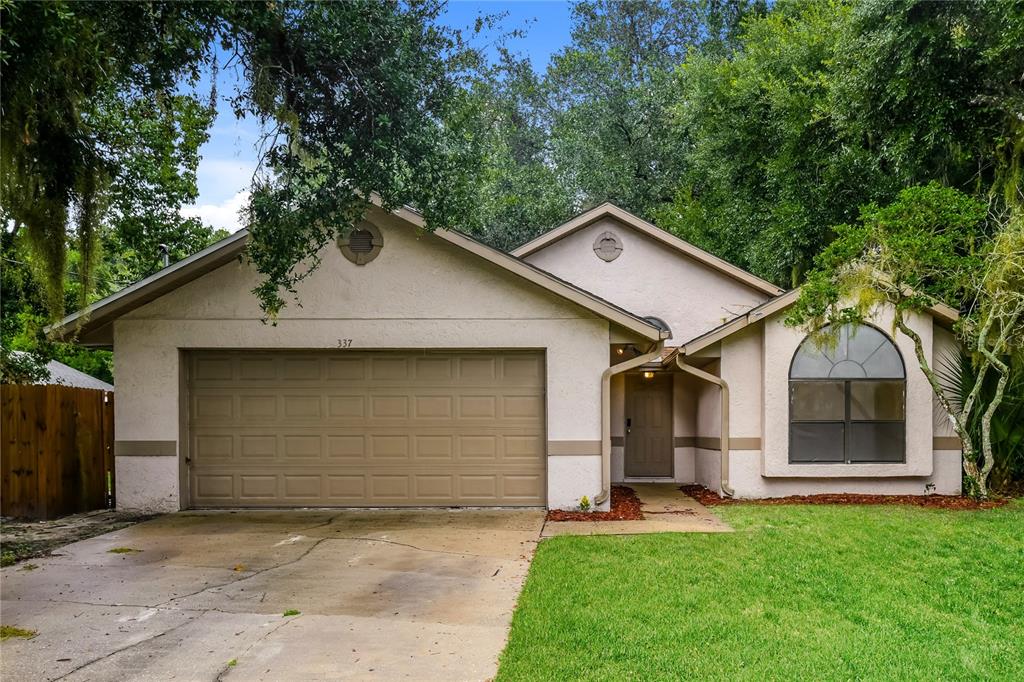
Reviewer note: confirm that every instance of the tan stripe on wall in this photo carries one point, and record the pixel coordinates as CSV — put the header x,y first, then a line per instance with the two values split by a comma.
x,y
574,447
711,443
145,448
684,441
946,443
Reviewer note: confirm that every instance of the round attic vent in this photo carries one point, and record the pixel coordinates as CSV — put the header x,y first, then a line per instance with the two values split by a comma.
x,y
361,244
607,246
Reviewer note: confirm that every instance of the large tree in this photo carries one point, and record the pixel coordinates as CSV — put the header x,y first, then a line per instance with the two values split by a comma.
x,y
611,92
90,122
355,98
829,105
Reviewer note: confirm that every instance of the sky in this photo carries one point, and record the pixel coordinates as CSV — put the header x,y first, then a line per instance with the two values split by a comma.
x,y
229,157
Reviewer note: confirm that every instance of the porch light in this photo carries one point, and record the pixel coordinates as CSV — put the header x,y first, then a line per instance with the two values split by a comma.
x,y
620,351
648,375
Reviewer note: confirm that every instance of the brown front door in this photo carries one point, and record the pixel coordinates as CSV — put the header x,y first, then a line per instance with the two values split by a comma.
x,y
649,425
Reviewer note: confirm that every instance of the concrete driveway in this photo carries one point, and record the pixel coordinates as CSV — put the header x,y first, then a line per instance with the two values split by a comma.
x,y
380,594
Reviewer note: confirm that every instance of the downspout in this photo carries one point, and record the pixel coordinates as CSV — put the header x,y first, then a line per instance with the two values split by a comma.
x,y
724,438
654,353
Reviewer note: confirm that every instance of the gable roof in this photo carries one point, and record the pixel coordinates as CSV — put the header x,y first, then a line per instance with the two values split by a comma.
x,y
609,210
101,313
939,310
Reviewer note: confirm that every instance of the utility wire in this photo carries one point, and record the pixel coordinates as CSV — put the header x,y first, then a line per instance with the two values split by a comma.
x,y
75,275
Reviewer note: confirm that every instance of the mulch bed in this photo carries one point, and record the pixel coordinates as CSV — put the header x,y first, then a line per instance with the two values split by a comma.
x,y
625,507
710,498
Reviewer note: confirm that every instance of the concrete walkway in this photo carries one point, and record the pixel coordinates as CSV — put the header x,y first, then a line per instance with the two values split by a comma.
x,y
666,510
421,595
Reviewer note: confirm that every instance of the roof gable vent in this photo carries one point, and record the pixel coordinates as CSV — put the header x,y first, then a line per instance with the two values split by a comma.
x,y
608,246
361,244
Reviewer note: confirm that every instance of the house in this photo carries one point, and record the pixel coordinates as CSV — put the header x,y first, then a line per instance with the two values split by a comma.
x,y
425,368
66,375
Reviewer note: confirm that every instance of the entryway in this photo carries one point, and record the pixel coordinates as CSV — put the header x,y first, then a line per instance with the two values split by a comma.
x,y
648,452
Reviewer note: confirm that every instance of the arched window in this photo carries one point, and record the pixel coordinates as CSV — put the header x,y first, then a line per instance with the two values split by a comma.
x,y
846,402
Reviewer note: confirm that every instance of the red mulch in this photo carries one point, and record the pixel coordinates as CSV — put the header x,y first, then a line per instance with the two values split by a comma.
x,y
710,498
625,507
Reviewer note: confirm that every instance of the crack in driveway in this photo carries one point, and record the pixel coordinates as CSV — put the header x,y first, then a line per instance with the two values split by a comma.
x,y
245,578
126,648
227,666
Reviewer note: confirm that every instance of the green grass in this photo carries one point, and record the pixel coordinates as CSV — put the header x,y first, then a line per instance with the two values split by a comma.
x,y
124,550
798,592
9,631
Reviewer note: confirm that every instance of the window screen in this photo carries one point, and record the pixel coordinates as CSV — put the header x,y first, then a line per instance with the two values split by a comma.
x,y
847,397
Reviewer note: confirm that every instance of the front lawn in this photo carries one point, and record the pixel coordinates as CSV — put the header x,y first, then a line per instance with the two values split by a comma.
x,y
798,592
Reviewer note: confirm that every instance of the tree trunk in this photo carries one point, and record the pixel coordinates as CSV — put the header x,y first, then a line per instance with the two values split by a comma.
x,y
976,482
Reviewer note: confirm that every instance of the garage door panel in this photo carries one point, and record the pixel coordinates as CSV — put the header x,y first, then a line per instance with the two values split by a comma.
x,y
479,487
434,407
215,487
366,429
389,407
257,446
346,489
528,407
388,447
349,447
433,448
258,487
522,487
303,407
260,408
303,486
434,370
527,370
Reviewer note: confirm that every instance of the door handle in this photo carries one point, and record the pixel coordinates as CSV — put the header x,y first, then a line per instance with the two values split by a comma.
x,y
629,424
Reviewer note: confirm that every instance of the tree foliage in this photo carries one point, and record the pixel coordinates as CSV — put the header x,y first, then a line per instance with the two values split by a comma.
x,y
827,106
356,98
612,89
596,126
87,87
519,193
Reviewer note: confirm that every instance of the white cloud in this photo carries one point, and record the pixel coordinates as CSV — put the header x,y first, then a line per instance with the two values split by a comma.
x,y
223,215
220,179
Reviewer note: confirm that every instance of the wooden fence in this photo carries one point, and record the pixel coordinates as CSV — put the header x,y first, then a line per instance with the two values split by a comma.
x,y
56,450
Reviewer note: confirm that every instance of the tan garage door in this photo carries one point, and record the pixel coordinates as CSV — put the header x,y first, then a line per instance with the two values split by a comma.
x,y
353,429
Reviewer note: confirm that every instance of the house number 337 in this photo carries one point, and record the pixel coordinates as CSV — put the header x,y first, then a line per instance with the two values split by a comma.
x,y
344,343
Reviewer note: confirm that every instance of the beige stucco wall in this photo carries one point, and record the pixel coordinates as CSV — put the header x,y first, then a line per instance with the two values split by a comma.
x,y
649,278
419,293
746,479
707,461
684,426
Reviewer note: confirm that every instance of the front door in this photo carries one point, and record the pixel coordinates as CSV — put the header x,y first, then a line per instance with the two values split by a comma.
x,y
649,425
